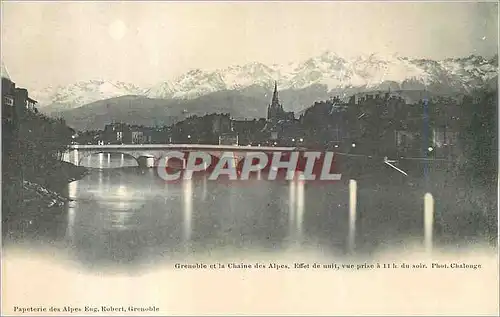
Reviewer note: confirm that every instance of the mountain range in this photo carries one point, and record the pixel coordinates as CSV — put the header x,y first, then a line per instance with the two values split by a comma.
x,y
245,90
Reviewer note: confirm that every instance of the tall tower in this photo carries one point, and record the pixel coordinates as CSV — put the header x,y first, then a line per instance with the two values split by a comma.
x,y
275,100
275,109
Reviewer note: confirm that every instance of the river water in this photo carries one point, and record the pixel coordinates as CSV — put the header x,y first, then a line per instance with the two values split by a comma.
x,y
121,214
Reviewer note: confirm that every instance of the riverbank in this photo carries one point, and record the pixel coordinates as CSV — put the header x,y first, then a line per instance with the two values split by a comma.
x,y
59,175
41,191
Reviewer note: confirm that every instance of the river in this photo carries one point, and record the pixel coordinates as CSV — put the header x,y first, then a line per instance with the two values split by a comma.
x,y
124,215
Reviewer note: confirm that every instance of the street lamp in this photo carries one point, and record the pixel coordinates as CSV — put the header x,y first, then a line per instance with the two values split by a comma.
x,y
301,140
353,144
189,136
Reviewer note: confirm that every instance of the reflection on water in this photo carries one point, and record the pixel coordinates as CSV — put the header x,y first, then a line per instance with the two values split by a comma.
x,y
130,215
187,204
296,209
123,213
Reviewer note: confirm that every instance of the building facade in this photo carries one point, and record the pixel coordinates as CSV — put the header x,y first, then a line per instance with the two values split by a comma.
x,y
117,133
15,102
280,123
202,130
275,111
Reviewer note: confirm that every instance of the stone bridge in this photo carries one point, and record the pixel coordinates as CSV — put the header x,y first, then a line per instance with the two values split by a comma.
x,y
149,154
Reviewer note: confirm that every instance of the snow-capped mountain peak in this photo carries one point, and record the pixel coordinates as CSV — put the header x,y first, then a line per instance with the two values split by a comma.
x,y
329,69
84,92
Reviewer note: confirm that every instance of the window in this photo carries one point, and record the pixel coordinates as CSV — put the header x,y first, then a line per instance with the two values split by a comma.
x,y
452,138
9,101
30,105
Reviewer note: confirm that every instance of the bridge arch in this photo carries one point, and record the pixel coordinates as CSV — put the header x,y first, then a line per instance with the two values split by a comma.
x,y
78,157
76,153
140,157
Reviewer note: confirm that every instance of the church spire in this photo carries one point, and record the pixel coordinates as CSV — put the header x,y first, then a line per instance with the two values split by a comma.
x,y
275,94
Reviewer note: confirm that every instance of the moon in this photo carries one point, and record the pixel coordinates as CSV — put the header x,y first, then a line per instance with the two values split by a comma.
x,y
117,30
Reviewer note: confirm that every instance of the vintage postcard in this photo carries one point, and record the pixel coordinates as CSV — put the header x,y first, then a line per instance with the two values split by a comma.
x,y
232,157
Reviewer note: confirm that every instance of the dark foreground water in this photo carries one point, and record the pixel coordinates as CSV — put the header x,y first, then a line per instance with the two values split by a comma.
x,y
127,215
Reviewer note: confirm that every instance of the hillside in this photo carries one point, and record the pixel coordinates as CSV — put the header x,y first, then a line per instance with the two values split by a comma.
x,y
249,103
245,91
329,71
